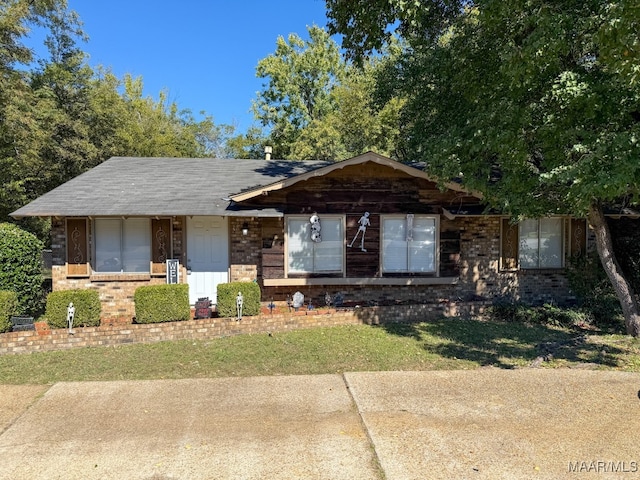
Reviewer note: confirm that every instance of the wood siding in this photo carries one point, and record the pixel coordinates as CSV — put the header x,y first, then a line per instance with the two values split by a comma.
x,y
351,191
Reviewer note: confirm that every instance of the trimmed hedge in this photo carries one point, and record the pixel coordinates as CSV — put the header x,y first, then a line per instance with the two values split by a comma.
x,y
21,267
86,303
227,294
8,307
162,303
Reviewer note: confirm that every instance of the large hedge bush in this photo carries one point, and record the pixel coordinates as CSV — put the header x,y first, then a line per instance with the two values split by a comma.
x,y
86,303
162,303
227,294
21,267
8,307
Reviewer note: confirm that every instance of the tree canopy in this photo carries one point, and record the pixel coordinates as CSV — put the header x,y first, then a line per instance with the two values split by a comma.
x,y
536,104
60,117
316,105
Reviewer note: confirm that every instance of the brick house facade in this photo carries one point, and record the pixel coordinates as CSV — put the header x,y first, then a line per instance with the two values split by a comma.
x,y
420,243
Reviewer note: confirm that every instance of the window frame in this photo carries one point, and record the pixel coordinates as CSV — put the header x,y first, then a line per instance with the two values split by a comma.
x,y
540,246
287,244
436,246
122,246
571,244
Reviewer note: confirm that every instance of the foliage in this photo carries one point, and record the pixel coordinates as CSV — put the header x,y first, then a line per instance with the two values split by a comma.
x,y
86,303
533,104
8,307
317,106
247,145
543,315
162,303
589,282
228,293
21,267
59,117
301,75
626,244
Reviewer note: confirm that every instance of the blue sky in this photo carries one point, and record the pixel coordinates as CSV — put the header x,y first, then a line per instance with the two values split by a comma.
x,y
204,53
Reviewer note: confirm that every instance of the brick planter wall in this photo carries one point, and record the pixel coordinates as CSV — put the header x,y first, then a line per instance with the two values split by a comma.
x,y
110,335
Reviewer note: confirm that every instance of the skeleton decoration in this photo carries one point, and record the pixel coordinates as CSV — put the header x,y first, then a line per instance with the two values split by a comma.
x,y
71,313
409,227
364,223
239,303
315,228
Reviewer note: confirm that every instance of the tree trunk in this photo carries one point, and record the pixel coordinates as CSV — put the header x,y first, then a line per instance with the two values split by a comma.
x,y
620,284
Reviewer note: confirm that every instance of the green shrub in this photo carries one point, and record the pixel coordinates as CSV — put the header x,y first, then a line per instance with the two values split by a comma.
x,y
86,303
227,294
544,315
510,312
162,303
21,267
8,307
594,291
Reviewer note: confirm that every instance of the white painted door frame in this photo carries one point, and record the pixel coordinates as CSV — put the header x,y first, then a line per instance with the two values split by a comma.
x,y
207,256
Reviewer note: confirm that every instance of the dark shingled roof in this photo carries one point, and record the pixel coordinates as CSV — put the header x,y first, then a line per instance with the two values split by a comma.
x,y
133,186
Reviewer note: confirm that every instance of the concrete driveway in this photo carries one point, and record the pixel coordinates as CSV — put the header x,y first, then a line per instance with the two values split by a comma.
x,y
481,424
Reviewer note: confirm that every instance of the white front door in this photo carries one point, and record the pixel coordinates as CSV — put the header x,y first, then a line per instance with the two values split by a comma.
x,y
207,256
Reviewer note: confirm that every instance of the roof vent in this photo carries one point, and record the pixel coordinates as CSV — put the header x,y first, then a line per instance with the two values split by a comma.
x,y
267,152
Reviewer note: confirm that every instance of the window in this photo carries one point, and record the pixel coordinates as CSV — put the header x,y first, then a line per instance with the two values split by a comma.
x,y
122,245
306,256
541,243
409,244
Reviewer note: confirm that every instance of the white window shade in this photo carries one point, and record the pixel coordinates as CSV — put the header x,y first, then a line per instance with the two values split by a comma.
x,y
300,246
136,247
541,243
551,243
307,256
122,245
529,251
108,235
328,252
394,245
409,252
422,255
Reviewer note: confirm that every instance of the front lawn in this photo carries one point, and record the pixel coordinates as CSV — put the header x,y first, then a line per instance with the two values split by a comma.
x,y
443,344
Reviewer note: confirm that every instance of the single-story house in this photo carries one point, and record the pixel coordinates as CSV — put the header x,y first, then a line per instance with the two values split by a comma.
x,y
369,230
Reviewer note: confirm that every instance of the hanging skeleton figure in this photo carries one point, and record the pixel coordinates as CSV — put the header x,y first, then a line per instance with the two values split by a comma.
x,y
364,223
315,228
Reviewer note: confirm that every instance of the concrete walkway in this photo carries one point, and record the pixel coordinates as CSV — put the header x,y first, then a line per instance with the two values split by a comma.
x,y
481,424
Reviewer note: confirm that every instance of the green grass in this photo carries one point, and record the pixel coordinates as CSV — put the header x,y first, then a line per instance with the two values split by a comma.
x,y
443,344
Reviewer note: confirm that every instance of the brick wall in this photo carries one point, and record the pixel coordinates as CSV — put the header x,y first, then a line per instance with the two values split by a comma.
x,y
246,250
479,276
115,291
110,335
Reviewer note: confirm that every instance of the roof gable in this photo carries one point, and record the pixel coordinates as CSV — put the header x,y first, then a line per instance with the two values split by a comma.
x,y
139,186
369,157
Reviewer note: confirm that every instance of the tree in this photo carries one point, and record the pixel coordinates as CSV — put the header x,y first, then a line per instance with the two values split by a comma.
x,y
247,145
26,116
59,117
318,106
528,100
301,76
